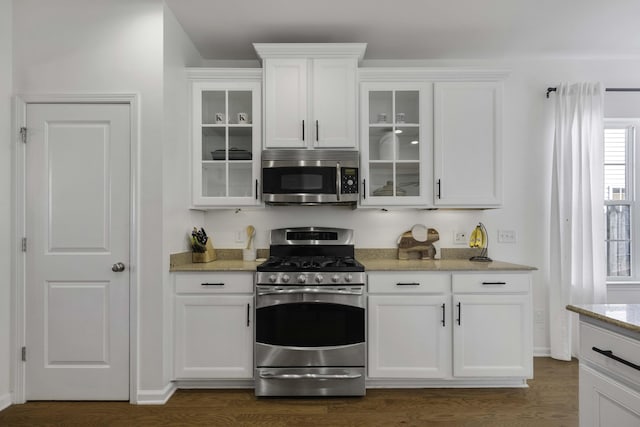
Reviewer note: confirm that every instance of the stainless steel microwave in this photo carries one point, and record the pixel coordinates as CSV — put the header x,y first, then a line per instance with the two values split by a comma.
x,y
310,177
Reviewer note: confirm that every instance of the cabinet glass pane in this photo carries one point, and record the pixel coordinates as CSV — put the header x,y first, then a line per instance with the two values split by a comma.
x,y
381,176
408,179
408,142
213,143
240,179
240,139
240,107
381,143
213,180
213,107
380,106
407,106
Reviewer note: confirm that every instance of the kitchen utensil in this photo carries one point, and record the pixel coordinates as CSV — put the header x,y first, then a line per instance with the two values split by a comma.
x,y
251,231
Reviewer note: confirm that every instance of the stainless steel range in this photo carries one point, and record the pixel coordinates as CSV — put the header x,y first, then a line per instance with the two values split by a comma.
x,y
310,315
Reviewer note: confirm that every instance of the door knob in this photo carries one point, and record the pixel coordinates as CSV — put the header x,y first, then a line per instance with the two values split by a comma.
x,y
117,267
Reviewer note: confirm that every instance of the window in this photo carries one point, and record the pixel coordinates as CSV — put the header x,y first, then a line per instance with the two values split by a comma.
x,y
620,206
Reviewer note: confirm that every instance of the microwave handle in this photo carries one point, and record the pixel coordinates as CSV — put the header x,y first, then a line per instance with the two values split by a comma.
x,y
338,181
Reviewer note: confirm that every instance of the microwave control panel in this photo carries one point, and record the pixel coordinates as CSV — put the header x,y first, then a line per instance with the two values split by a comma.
x,y
349,181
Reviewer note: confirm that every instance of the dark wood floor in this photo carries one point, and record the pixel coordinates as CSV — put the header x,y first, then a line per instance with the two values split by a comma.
x,y
550,400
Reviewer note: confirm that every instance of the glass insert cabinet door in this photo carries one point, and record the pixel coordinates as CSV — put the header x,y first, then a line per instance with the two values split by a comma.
x,y
396,139
226,144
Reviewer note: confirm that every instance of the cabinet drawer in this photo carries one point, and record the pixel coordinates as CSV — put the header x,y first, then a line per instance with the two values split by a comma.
x,y
620,347
491,283
228,283
414,282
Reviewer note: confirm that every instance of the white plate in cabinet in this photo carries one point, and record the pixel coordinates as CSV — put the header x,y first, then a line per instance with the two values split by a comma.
x,y
214,337
409,336
228,283
409,282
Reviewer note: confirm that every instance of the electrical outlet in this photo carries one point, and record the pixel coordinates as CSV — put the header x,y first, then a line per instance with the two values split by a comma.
x,y
239,236
460,238
507,236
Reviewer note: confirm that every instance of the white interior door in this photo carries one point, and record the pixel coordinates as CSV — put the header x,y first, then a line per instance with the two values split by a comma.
x,y
77,220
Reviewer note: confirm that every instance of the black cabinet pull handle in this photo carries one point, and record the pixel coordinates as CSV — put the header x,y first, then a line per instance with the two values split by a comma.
x,y
303,130
248,310
256,189
443,323
408,284
317,132
364,188
610,355
211,284
459,312
438,195
494,283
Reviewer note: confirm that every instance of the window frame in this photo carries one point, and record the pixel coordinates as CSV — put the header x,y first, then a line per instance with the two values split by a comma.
x,y
631,199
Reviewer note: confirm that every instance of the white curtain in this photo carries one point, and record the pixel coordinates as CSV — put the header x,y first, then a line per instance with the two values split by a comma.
x,y
577,257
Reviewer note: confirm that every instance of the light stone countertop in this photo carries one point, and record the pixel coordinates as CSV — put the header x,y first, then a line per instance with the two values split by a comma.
x,y
372,259
626,316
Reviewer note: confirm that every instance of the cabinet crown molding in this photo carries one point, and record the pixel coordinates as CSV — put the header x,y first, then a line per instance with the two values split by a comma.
x,y
230,74
389,74
310,50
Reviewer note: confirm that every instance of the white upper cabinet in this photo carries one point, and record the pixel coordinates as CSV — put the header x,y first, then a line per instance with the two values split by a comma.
x,y
467,144
396,144
226,136
310,94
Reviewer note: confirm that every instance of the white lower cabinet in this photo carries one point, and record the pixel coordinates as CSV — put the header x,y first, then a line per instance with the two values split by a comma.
x,y
492,328
409,336
460,326
213,326
609,388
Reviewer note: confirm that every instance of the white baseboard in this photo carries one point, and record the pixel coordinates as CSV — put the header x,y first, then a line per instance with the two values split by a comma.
x,y
5,401
542,352
155,397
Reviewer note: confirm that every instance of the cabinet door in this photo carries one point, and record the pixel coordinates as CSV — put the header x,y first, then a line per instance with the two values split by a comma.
x,y
492,335
214,336
396,144
334,103
226,143
409,336
286,122
605,402
467,144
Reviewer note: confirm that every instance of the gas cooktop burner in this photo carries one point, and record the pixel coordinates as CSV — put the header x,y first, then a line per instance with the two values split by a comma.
x,y
313,263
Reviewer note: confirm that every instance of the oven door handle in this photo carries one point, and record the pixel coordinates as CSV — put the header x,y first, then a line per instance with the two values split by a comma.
x,y
310,376
307,291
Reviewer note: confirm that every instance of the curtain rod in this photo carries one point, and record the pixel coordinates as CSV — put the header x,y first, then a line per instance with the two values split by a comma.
x,y
609,89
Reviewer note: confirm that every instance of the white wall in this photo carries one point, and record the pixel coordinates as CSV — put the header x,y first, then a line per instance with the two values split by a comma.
x,y
5,197
528,132
109,46
179,53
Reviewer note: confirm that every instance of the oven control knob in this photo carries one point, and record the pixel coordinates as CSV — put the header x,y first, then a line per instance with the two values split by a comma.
x,y
348,278
273,278
285,278
335,278
302,278
319,278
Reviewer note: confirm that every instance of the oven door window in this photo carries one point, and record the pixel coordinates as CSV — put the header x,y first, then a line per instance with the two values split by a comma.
x,y
310,325
298,180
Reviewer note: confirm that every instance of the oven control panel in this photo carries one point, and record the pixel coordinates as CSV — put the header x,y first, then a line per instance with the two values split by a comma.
x,y
349,181
310,278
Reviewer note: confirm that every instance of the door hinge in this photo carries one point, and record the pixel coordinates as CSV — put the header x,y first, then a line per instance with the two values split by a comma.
x,y
24,244
23,134
24,354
